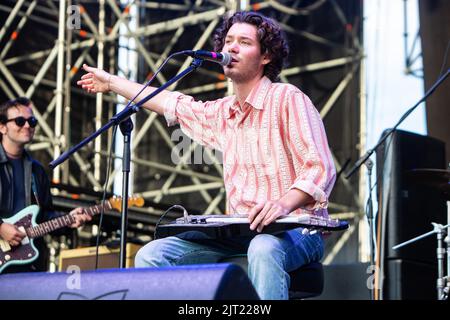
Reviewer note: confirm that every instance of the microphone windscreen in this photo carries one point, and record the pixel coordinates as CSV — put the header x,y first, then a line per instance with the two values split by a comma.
x,y
226,58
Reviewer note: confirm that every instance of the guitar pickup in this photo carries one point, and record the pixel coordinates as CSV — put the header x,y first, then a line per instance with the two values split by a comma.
x,y
4,246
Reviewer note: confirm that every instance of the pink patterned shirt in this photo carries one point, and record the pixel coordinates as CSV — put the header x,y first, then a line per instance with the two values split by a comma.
x,y
274,142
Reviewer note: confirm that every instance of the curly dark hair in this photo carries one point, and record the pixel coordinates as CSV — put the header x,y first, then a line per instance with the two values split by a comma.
x,y
271,38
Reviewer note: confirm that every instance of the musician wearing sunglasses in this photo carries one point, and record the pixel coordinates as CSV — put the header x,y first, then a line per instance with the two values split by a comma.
x,y
23,180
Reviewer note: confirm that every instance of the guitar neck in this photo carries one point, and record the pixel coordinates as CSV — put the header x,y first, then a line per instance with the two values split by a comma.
x,y
63,221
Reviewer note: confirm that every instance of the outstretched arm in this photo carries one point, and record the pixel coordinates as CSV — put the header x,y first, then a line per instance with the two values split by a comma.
x,y
97,80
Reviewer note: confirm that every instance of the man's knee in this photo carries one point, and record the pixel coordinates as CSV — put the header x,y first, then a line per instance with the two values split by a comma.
x,y
150,255
264,245
140,258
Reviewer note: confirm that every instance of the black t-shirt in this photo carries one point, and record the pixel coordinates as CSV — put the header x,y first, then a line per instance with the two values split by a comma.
x,y
19,184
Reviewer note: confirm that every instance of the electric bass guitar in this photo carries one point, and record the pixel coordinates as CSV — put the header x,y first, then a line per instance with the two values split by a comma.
x,y
25,221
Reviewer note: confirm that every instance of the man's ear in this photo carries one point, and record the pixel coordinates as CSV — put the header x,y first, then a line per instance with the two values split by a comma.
x,y
3,120
266,58
3,128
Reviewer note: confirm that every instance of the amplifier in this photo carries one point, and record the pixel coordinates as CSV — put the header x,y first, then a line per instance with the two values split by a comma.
x,y
108,258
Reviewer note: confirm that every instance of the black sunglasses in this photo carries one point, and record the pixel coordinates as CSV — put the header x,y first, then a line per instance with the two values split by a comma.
x,y
20,121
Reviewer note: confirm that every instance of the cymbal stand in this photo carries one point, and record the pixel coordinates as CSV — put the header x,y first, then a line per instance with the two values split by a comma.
x,y
447,241
440,231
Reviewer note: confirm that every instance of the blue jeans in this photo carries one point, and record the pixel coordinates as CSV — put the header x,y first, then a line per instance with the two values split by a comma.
x,y
270,257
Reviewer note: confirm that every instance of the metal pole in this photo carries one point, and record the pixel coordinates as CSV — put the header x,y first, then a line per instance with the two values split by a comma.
x,y
447,242
337,92
405,35
440,253
11,17
126,128
99,96
59,86
67,89
369,165
18,29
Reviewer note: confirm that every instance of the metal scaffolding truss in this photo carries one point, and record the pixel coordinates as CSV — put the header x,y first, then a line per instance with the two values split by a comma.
x,y
43,44
413,55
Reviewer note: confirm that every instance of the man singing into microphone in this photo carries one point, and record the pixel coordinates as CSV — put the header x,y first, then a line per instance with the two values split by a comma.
x,y
276,156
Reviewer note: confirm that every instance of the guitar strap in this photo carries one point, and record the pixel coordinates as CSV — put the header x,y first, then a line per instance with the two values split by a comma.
x,y
34,188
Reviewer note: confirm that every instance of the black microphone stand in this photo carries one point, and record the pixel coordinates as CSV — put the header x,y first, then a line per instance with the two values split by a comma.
x,y
126,127
365,160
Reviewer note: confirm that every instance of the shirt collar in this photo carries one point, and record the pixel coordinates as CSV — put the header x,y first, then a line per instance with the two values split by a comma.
x,y
255,98
4,157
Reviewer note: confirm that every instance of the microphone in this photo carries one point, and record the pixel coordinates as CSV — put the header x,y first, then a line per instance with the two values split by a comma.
x,y
222,58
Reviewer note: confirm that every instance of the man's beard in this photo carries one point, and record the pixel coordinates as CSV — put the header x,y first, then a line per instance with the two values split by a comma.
x,y
240,77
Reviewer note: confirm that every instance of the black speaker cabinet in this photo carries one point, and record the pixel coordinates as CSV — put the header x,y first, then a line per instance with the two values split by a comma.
x,y
409,207
345,281
410,280
406,208
193,282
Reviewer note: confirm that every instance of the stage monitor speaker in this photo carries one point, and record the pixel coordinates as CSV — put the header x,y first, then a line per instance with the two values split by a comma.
x,y
193,282
108,258
406,207
409,280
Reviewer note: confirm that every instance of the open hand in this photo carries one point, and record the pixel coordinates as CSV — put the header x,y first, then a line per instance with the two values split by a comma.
x,y
95,80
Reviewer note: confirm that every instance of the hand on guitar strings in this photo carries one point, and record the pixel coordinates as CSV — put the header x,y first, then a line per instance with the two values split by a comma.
x,y
81,217
264,214
11,234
